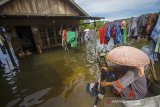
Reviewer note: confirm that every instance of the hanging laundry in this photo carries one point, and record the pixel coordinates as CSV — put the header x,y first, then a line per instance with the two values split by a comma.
x,y
82,37
129,27
133,28
110,44
71,39
123,24
108,33
86,35
141,24
118,39
125,35
100,47
90,45
123,27
152,54
92,36
64,35
155,35
156,31
102,33
113,32
152,19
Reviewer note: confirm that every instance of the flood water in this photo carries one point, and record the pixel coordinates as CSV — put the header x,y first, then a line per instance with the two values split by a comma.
x,y
51,79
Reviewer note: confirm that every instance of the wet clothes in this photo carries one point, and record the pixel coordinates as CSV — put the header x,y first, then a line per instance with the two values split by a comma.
x,y
152,20
152,54
141,24
156,31
131,85
64,35
108,33
92,38
71,39
134,27
102,34
154,46
64,38
113,32
123,24
110,45
118,39
129,30
124,30
124,35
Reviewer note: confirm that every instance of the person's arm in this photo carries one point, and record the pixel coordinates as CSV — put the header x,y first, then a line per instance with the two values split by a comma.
x,y
106,84
121,83
124,81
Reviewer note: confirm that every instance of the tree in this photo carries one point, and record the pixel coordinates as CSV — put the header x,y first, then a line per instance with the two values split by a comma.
x,y
87,24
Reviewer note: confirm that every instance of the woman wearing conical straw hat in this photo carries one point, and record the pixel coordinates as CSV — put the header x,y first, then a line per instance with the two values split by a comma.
x,y
133,84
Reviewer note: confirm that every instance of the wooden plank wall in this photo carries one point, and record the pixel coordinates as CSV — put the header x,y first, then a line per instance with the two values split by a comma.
x,y
38,7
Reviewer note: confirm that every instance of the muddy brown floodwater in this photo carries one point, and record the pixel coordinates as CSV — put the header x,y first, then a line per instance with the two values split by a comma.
x,y
51,79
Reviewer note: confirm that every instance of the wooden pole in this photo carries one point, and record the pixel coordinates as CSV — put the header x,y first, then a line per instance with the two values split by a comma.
x,y
95,28
153,71
37,38
47,36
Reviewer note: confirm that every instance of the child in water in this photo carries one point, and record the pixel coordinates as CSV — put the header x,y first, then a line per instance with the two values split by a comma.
x,y
28,53
21,53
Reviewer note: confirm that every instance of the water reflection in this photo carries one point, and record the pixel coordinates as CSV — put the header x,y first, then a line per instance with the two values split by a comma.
x,y
66,75
30,99
34,98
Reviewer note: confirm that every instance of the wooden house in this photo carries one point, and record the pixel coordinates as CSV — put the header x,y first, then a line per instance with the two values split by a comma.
x,y
37,24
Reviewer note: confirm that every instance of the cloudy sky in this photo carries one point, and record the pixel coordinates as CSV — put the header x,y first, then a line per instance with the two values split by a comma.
x,y
118,9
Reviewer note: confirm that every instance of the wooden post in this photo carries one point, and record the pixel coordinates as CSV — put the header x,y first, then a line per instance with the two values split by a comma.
x,y
95,37
47,36
55,35
79,36
15,40
153,71
94,24
37,38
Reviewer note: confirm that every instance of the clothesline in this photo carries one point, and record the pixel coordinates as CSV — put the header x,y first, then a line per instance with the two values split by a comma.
x,y
145,26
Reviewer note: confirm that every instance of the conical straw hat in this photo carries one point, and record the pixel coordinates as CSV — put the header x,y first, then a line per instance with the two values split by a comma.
x,y
128,56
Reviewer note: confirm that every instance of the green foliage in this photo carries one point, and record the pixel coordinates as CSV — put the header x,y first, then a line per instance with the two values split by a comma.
x,y
86,24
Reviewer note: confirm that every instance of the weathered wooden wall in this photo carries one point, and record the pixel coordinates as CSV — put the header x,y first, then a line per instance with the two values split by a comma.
x,y
38,7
